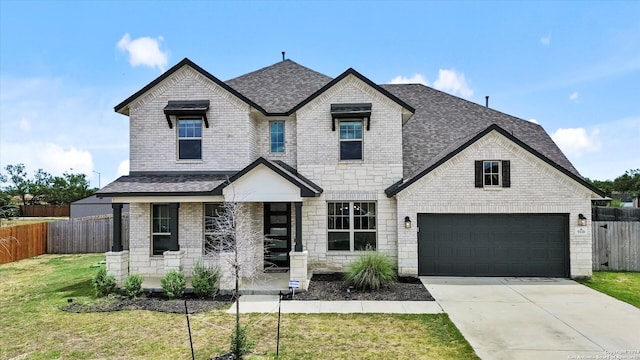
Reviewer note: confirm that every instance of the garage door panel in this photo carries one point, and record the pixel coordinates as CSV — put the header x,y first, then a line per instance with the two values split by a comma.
x,y
493,244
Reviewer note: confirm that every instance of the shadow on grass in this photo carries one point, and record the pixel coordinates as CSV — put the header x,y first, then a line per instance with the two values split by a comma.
x,y
79,289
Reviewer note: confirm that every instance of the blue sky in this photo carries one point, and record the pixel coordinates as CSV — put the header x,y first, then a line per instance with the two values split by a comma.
x,y
573,67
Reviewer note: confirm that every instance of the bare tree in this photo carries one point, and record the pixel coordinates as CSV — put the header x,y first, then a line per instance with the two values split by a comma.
x,y
233,234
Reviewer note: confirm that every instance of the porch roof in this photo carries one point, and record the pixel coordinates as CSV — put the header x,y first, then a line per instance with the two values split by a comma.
x,y
164,184
203,183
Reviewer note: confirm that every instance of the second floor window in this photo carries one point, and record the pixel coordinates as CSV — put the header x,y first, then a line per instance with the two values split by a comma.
x,y
276,132
189,139
350,139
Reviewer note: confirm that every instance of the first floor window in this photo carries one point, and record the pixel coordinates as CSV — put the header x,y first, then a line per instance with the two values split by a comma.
x,y
214,239
160,229
190,139
276,132
351,226
350,139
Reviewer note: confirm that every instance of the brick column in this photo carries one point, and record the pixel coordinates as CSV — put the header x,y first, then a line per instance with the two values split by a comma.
x,y
118,265
298,268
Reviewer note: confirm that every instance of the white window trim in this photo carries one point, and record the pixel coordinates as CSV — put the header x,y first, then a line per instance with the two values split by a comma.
x,y
492,186
361,120
178,138
351,230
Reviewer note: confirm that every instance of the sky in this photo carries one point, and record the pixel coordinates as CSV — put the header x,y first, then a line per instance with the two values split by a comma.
x,y
573,67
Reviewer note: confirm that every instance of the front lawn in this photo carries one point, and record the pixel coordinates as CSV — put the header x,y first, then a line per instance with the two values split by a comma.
x,y
33,326
623,286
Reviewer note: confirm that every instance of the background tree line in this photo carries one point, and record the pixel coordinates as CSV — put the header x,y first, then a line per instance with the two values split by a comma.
x,y
42,187
627,183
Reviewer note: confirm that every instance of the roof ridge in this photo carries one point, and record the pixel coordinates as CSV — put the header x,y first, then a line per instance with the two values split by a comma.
x,y
274,65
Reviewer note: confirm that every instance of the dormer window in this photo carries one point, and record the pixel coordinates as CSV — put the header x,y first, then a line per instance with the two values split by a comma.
x,y
190,139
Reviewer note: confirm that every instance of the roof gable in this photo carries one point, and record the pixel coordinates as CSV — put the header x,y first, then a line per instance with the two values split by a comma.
x,y
123,107
464,143
441,120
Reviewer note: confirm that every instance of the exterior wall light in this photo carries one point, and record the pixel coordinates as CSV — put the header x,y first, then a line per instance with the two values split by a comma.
x,y
407,222
582,220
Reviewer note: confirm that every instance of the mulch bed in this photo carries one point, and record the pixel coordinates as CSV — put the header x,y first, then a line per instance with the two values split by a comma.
x,y
151,302
325,287
331,287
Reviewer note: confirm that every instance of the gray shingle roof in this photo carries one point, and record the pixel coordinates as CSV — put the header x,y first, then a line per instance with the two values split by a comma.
x,y
150,184
279,87
442,120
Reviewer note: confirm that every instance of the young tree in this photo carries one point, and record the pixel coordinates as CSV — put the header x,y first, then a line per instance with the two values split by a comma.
x,y
234,236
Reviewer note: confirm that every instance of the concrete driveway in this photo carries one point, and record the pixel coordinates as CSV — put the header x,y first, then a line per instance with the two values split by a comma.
x,y
538,318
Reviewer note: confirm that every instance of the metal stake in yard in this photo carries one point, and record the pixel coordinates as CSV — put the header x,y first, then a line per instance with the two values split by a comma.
x,y
278,339
186,312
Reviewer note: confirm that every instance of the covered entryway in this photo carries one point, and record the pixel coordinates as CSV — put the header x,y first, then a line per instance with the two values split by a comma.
x,y
493,244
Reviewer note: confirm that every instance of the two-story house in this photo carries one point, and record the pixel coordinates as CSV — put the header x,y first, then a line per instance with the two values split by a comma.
x,y
328,167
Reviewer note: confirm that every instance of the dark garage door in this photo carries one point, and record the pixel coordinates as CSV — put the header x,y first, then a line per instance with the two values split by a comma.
x,y
493,244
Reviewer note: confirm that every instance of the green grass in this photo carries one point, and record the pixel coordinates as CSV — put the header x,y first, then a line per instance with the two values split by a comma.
x,y
33,327
623,286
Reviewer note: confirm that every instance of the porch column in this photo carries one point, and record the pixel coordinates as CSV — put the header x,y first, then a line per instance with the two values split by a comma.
x,y
173,224
298,247
117,227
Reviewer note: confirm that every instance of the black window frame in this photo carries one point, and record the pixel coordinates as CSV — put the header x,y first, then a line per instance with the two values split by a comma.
x,y
160,231
349,141
350,218
186,138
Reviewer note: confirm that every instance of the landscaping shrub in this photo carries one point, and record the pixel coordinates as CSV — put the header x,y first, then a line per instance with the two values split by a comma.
x,y
173,283
103,284
371,271
205,280
133,285
239,343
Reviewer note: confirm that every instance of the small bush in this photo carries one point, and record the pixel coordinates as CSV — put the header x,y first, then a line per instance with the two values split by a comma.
x,y
173,284
371,271
205,280
103,284
133,285
239,343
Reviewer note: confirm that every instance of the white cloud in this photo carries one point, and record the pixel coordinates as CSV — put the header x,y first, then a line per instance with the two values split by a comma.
x,y
144,51
123,168
574,96
50,157
534,121
545,40
576,141
453,82
415,79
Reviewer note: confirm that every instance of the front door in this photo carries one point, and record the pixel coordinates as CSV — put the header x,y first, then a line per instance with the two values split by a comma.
x,y
277,230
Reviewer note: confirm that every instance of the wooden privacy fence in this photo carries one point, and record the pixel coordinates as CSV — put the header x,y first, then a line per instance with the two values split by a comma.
x,y
85,235
23,241
616,245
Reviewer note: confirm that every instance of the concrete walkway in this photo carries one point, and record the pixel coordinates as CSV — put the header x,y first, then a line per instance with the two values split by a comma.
x,y
269,304
538,318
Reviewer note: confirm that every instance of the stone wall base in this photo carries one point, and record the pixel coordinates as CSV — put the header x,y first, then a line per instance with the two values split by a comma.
x,y
173,260
298,268
118,265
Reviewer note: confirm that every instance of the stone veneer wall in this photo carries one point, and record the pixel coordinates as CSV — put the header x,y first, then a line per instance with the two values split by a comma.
x,y
365,180
536,187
